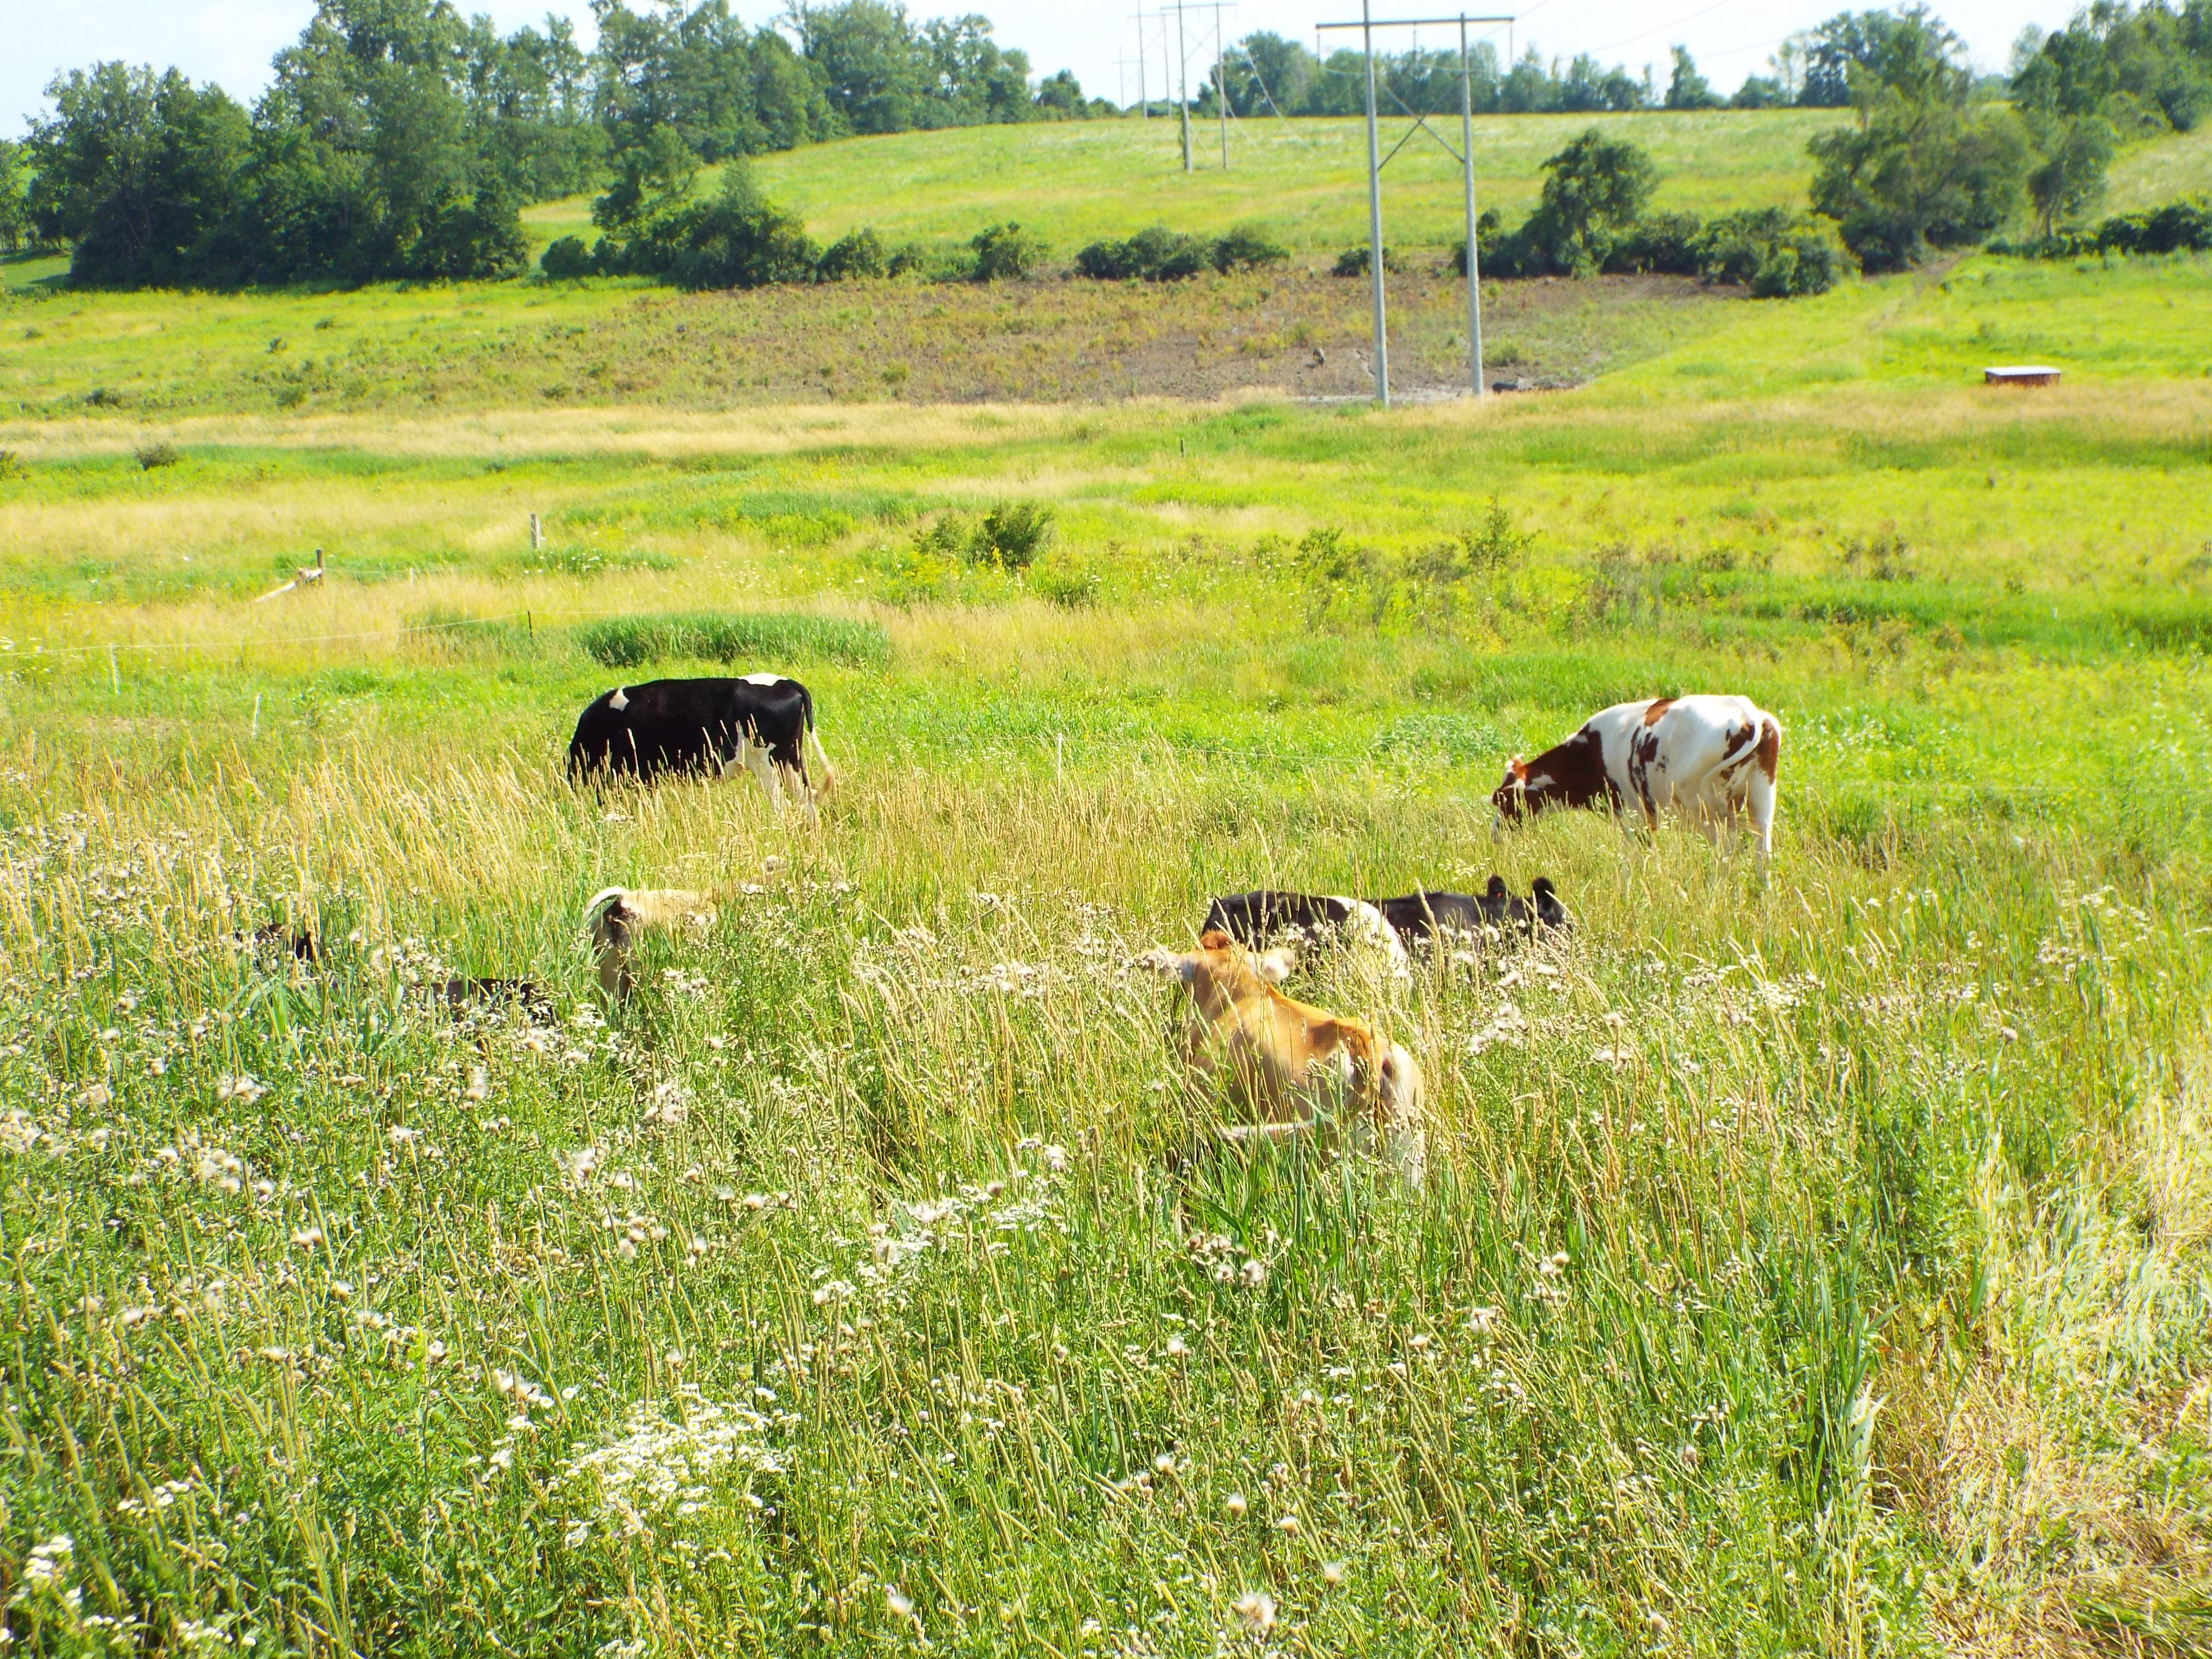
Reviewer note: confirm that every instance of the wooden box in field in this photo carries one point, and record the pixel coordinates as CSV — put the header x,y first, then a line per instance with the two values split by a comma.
x,y
2020,375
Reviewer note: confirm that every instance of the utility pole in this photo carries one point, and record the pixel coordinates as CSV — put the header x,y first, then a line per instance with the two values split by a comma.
x,y
1375,213
1144,101
1221,87
1182,85
1473,270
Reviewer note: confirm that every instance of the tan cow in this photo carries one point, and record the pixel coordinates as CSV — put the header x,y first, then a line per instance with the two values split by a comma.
x,y
1300,1068
620,916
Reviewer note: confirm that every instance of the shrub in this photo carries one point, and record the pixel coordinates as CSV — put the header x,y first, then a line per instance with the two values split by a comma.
x,y
1488,227
909,259
1665,242
2172,229
1247,247
1352,262
12,466
1774,253
856,253
568,257
1156,254
1007,253
727,637
1011,535
158,454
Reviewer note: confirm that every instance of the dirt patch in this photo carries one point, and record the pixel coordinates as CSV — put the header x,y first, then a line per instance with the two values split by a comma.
x,y
1303,333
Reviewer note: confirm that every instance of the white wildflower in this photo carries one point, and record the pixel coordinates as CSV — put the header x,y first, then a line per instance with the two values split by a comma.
x,y
1257,1609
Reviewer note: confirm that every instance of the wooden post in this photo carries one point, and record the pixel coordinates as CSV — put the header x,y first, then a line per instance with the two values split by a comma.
x,y
536,535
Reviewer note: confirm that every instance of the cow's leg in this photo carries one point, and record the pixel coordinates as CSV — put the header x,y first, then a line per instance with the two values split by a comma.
x,y
758,761
1758,802
791,763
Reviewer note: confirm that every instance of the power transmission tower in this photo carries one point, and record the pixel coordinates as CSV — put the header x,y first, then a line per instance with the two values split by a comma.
x,y
1377,161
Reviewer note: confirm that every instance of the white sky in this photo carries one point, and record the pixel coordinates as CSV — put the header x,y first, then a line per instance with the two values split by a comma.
x,y
230,41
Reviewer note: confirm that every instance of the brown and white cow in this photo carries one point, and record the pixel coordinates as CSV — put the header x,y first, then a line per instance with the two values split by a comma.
x,y
1300,1068
1708,758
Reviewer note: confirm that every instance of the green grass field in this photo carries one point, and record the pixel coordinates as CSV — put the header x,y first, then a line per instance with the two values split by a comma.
x,y
1818,1263
1306,179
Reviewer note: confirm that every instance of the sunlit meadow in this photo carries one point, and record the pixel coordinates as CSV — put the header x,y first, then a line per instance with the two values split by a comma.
x,y
1808,1264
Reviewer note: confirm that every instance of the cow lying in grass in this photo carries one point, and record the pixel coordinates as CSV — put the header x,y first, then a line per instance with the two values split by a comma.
x,y
1711,759
1254,918
762,722
619,919
1423,915
1257,918
1300,1069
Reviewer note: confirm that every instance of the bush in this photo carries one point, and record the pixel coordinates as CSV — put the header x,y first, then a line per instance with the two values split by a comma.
x,y
1247,247
1012,534
1156,254
725,637
1665,242
1070,588
2176,227
737,240
568,257
1007,253
1488,228
153,455
1352,262
908,258
1774,253
857,253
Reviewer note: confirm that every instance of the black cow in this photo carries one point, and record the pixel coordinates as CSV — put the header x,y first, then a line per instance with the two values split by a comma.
x,y
763,722
1423,915
523,993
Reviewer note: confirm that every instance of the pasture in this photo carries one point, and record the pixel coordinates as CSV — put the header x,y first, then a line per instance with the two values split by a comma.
x,y
1812,1264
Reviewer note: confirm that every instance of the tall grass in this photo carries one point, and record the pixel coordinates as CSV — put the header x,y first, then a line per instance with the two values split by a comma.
x,y
728,637
1807,1263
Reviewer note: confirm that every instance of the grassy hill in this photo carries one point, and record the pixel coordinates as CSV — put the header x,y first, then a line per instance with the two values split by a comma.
x,y
1306,179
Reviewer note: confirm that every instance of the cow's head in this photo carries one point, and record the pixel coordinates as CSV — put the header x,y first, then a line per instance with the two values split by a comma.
x,y
1220,972
1511,798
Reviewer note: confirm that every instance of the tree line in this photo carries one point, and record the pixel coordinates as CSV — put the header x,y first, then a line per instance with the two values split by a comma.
x,y
400,139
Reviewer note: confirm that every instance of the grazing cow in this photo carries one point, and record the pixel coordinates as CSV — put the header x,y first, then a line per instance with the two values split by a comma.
x,y
619,917
1301,1068
763,722
1705,757
1255,918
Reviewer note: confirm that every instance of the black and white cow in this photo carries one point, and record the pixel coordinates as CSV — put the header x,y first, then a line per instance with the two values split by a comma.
x,y
1708,758
762,722
1257,917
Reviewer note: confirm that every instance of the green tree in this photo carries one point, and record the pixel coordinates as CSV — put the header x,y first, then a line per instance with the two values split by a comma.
x,y
1593,191
138,171
2068,181
14,197
1688,89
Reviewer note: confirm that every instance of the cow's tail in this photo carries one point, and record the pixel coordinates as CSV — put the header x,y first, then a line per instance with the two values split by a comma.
x,y
601,901
828,781
1746,746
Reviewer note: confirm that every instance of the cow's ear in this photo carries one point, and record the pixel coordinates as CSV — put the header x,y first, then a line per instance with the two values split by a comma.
x,y
1520,768
1214,940
1274,966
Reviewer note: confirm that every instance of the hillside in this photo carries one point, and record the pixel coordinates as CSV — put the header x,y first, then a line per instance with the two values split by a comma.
x,y
1306,179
